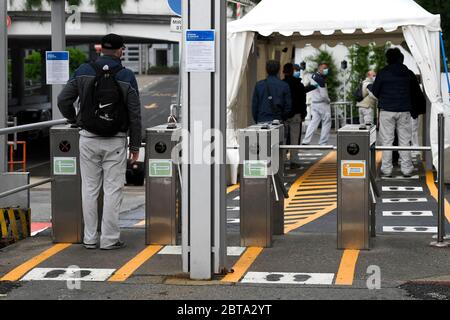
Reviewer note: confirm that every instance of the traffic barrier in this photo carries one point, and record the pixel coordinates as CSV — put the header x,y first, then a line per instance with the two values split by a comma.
x,y
15,225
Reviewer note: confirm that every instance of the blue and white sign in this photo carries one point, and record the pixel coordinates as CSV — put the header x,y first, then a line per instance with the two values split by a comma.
x,y
57,63
175,6
200,50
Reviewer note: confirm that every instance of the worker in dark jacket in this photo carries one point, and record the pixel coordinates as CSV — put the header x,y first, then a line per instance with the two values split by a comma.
x,y
395,88
298,113
103,158
272,97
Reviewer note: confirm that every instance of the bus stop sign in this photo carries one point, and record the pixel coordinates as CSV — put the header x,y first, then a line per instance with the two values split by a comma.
x,y
175,6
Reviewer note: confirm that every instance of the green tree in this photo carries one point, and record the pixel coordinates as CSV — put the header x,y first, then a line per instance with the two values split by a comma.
x,y
33,64
77,58
333,82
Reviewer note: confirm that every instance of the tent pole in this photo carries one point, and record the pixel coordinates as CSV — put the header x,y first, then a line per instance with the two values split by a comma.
x,y
444,57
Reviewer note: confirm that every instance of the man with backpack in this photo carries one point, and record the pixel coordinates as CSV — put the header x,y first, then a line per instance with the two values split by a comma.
x,y
109,111
365,102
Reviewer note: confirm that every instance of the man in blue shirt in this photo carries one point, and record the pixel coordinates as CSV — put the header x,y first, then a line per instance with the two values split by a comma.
x,y
272,97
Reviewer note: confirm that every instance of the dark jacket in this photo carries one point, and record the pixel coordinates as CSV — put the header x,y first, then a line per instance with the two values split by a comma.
x,y
282,104
83,79
298,95
393,88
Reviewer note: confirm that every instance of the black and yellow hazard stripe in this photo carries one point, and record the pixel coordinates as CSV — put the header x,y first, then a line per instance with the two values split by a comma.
x,y
15,224
313,195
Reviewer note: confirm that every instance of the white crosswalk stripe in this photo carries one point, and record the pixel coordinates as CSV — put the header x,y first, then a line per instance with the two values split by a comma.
x,y
404,200
407,213
407,229
402,189
289,278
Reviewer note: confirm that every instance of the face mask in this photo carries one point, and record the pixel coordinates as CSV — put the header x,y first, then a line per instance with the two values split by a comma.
x,y
325,72
297,74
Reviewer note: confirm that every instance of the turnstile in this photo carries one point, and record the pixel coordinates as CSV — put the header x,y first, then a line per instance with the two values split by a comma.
x,y
261,194
67,213
356,156
163,187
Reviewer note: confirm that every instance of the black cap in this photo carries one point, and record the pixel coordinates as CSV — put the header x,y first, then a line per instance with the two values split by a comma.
x,y
112,41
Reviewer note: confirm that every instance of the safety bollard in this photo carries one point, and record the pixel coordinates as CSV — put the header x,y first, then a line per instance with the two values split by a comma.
x,y
441,243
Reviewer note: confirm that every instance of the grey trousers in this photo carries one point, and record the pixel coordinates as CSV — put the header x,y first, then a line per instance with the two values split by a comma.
x,y
295,134
320,113
102,162
365,115
389,123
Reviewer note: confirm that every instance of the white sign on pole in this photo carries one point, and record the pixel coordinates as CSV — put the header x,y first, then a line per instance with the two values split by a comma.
x,y
176,25
57,63
200,50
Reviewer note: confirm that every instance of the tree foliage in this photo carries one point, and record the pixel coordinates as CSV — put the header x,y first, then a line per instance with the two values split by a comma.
x,y
103,7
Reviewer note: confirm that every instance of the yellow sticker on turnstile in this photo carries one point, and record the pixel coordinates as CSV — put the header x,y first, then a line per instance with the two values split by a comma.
x,y
353,169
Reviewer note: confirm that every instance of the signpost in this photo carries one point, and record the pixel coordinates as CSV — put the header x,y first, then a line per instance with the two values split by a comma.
x,y
175,6
57,64
200,51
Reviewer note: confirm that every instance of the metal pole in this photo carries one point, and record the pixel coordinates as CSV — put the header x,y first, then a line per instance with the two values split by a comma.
x,y
33,126
441,197
58,44
25,187
204,112
3,84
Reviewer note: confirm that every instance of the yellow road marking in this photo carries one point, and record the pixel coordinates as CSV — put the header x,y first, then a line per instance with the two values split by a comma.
x,y
317,187
140,223
316,198
435,194
347,268
322,183
152,106
316,216
243,264
232,188
131,266
303,193
24,268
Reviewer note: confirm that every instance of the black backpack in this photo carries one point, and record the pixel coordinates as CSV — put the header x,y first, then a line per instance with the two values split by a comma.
x,y
359,93
104,111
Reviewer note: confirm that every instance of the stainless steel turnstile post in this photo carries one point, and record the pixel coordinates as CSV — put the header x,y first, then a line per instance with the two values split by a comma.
x,y
355,197
163,186
67,213
261,197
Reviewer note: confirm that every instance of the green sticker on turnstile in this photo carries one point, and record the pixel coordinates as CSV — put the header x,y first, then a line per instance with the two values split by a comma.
x,y
160,168
66,166
255,169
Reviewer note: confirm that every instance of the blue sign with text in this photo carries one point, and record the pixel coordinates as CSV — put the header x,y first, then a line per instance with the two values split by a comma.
x,y
175,6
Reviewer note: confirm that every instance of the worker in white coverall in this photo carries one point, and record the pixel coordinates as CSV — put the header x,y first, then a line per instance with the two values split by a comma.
x,y
367,106
320,107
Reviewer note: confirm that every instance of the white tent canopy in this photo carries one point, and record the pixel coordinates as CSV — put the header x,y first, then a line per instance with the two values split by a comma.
x,y
288,23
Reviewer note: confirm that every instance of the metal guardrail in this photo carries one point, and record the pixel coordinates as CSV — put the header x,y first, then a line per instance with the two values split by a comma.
x,y
32,126
25,187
